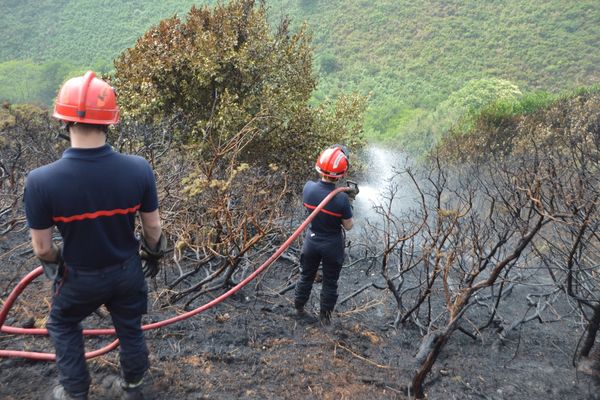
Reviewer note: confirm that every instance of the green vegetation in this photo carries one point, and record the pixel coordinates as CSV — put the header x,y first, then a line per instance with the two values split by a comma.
x,y
424,131
503,109
28,81
221,72
44,42
525,124
411,55
82,32
529,103
407,56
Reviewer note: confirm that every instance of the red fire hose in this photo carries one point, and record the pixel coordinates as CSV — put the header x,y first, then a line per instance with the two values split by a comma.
x,y
96,332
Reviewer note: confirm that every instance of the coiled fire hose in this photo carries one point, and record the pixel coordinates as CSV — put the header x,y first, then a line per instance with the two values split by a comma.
x,y
110,331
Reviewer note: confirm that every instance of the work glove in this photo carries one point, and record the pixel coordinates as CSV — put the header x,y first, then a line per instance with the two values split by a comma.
x,y
352,192
151,257
54,269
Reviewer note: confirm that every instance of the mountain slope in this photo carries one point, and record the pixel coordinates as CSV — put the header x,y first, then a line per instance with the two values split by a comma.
x,y
411,55
408,55
79,31
416,48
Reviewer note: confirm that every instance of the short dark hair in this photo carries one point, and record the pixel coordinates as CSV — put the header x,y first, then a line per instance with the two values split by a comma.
x,y
103,128
329,178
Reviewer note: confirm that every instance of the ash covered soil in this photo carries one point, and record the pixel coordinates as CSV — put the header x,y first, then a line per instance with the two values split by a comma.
x,y
252,346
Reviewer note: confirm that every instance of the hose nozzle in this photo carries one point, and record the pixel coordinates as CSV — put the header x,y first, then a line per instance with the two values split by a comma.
x,y
353,185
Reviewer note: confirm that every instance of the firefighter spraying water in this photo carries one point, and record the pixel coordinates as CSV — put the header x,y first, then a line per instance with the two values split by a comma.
x,y
324,241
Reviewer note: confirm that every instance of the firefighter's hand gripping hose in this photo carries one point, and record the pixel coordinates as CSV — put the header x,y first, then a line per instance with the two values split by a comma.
x,y
110,331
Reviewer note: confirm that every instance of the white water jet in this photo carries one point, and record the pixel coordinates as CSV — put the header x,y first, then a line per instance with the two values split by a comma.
x,y
384,170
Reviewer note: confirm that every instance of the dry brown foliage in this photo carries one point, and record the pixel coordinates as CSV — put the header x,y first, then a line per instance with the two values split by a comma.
x,y
518,194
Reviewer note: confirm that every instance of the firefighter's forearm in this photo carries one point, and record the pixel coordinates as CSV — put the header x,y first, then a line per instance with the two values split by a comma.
x,y
347,224
43,248
152,235
151,228
49,255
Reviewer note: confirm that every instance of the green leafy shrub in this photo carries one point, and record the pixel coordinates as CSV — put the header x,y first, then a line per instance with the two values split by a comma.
x,y
536,120
425,131
222,71
329,63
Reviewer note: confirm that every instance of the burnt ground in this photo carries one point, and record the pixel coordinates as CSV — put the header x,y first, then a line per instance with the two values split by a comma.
x,y
253,347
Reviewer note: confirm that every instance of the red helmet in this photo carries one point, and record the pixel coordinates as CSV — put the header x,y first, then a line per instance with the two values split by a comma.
x,y
88,100
333,162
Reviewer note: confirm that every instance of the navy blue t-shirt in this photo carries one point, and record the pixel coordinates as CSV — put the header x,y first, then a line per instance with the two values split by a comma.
x,y
92,196
329,220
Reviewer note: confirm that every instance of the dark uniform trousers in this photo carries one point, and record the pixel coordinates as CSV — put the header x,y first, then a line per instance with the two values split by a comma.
x,y
317,248
123,289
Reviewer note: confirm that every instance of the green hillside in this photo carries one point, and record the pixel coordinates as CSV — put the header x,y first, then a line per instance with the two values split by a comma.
x,y
412,55
79,31
416,48
409,56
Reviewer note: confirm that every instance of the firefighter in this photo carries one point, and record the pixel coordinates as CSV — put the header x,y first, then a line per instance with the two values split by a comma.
x,y
92,195
324,241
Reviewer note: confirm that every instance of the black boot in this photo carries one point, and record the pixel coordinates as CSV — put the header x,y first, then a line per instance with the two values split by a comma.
x,y
59,393
325,317
299,309
126,391
302,316
591,365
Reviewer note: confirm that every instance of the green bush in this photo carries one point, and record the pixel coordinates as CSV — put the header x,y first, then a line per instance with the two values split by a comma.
x,y
427,129
503,109
221,72
329,63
